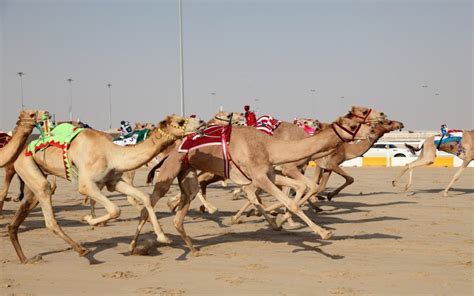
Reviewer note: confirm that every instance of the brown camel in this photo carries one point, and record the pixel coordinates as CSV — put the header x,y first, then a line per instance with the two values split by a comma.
x,y
99,163
253,155
463,150
328,164
24,126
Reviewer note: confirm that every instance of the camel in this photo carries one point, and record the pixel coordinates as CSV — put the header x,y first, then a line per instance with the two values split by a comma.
x,y
99,163
10,170
253,155
463,150
328,164
288,131
24,126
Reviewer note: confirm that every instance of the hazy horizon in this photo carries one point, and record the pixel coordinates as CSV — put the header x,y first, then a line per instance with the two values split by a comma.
x,y
268,54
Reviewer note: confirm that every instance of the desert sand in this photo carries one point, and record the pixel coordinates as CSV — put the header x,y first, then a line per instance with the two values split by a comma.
x,y
386,242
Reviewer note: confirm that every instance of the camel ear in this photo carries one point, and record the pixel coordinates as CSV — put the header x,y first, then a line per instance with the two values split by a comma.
x,y
165,122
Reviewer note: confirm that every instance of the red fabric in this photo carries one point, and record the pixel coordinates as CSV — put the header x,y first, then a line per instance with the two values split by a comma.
x,y
209,137
267,124
250,118
4,138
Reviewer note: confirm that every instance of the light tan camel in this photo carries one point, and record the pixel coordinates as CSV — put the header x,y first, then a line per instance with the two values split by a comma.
x,y
99,163
328,164
24,126
253,155
464,150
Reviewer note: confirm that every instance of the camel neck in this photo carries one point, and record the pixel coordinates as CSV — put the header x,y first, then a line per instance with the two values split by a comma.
x,y
132,157
13,148
290,151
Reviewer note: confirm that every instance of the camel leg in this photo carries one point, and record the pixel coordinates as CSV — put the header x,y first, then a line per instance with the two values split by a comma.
x,y
37,183
204,180
265,183
28,203
251,193
235,219
168,172
349,180
9,174
53,183
236,192
188,184
425,158
465,163
91,189
22,190
129,177
128,189
210,207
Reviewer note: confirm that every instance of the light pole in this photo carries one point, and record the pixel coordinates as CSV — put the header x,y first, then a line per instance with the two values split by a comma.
x,y
70,97
21,88
181,67
313,100
213,100
109,85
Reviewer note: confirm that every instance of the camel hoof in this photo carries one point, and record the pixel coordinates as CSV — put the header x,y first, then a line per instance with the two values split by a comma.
x,y
16,199
195,253
406,187
331,195
445,194
235,197
234,220
394,183
84,252
7,198
251,213
202,208
163,239
87,218
294,225
326,234
279,221
212,210
36,259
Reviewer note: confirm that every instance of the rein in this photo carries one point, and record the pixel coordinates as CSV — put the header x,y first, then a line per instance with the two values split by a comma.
x,y
364,118
353,134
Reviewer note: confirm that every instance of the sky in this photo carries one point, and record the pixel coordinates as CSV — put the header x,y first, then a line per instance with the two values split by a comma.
x,y
411,59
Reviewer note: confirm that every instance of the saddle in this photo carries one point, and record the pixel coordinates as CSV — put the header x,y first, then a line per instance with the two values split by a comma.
x,y
212,136
60,137
453,136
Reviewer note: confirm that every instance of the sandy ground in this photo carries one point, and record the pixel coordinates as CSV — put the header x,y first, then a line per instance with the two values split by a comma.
x,y
386,242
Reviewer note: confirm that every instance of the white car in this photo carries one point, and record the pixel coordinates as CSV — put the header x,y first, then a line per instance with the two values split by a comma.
x,y
380,150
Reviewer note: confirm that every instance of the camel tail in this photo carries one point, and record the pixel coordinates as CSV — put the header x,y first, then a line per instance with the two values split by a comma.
x,y
413,149
151,174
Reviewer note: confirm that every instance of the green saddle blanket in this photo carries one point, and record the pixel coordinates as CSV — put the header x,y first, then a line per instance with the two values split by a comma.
x,y
60,137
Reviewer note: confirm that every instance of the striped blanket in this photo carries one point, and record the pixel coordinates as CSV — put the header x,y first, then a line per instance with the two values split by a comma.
x,y
267,124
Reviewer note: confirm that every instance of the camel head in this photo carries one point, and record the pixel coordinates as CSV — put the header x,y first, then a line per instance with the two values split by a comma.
x,y
178,126
349,130
224,117
388,125
364,114
31,117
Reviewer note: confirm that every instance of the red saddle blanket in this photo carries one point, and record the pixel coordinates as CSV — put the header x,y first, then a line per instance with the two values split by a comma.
x,y
213,135
4,138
